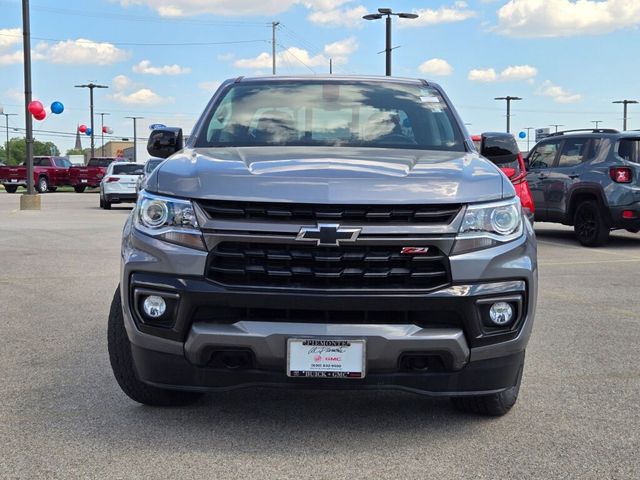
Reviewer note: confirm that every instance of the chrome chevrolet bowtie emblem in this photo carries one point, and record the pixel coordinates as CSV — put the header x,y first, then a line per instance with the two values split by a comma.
x,y
328,235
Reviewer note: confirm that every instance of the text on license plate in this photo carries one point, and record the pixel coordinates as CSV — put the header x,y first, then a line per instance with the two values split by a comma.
x,y
328,358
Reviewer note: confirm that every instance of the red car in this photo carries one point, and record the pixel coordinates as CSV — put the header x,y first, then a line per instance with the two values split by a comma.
x,y
49,173
90,175
517,173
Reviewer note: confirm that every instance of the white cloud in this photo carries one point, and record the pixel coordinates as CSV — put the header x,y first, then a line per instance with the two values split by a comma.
x,y
145,67
210,86
341,48
564,18
350,17
436,66
458,12
10,58
80,52
129,93
178,8
511,73
10,37
338,51
559,94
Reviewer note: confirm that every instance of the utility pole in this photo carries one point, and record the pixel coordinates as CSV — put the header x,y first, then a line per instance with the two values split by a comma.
x,y
102,114
274,25
135,138
528,129
597,122
556,125
91,86
330,66
28,201
387,12
6,119
625,103
508,99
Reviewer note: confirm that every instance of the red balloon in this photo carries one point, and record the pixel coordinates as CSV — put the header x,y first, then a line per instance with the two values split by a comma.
x,y
35,107
105,129
40,116
82,128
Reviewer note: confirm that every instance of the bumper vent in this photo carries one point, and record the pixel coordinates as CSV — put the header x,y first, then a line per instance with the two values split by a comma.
x,y
305,266
311,213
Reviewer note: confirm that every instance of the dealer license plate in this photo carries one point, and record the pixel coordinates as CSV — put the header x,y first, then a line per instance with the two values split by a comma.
x,y
83,180
14,180
326,358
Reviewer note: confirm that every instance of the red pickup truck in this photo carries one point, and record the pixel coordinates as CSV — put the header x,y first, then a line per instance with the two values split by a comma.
x,y
91,174
49,173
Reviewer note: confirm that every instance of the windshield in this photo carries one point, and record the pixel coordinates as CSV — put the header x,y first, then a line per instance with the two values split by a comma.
x,y
151,165
127,169
348,114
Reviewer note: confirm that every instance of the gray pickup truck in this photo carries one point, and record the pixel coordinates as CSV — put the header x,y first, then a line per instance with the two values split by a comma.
x,y
326,232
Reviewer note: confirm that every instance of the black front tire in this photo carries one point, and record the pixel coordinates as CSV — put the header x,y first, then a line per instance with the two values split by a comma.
x,y
494,405
11,188
106,205
79,188
52,189
589,225
124,369
43,185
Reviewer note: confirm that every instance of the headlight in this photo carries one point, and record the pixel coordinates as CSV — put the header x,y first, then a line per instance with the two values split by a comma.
x,y
170,219
489,224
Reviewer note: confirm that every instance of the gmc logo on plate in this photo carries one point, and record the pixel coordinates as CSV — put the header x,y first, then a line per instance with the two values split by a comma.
x,y
414,250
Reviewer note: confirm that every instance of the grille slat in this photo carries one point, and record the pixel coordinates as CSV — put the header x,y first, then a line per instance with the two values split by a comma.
x,y
307,266
311,213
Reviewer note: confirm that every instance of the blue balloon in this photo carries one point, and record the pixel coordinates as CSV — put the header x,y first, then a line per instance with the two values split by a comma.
x,y
57,108
522,135
88,132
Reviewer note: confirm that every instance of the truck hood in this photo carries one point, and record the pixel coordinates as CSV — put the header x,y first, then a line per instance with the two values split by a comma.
x,y
330,175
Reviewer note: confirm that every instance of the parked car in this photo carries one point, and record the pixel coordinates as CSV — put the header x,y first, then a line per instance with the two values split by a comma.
x,y
149,167
514,168
90,175
49,173
119,183
325,232
589,179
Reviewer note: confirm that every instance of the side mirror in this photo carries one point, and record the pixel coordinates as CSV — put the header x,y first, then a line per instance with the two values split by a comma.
x,y
500,148
164,142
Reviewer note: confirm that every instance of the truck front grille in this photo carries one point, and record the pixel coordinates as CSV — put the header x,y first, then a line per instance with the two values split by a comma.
x,y
246,264
303,213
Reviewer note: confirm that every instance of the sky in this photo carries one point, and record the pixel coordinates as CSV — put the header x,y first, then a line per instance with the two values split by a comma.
x,y
163,59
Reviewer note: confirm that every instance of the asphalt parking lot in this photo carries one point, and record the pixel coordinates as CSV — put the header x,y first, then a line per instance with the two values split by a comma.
x,y
62,414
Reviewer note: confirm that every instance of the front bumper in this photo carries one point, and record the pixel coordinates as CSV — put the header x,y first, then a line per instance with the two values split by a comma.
x,y
447,324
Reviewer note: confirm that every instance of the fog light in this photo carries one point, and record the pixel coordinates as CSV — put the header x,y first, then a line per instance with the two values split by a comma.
x,y
501,313
155,306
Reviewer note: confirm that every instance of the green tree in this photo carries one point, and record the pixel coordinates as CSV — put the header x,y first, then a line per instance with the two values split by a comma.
x,y
18,148
75,151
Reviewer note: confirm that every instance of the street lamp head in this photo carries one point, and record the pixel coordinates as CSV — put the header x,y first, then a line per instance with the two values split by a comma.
x,y
408,15
373,16
385,11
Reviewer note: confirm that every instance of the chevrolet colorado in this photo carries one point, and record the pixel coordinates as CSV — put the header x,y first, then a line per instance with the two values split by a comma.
x,y
326,232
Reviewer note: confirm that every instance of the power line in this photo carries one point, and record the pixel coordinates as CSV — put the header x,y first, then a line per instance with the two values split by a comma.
x,y
287,50
140,44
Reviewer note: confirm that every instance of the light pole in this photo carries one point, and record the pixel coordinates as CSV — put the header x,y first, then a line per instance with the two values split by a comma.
x,y
508,99
528,129
135,152
556,125
91,86
6,119
386,12
625,103
102,114
597,122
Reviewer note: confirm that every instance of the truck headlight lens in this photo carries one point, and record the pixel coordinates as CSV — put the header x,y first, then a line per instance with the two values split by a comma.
x,y
489,224
170,219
